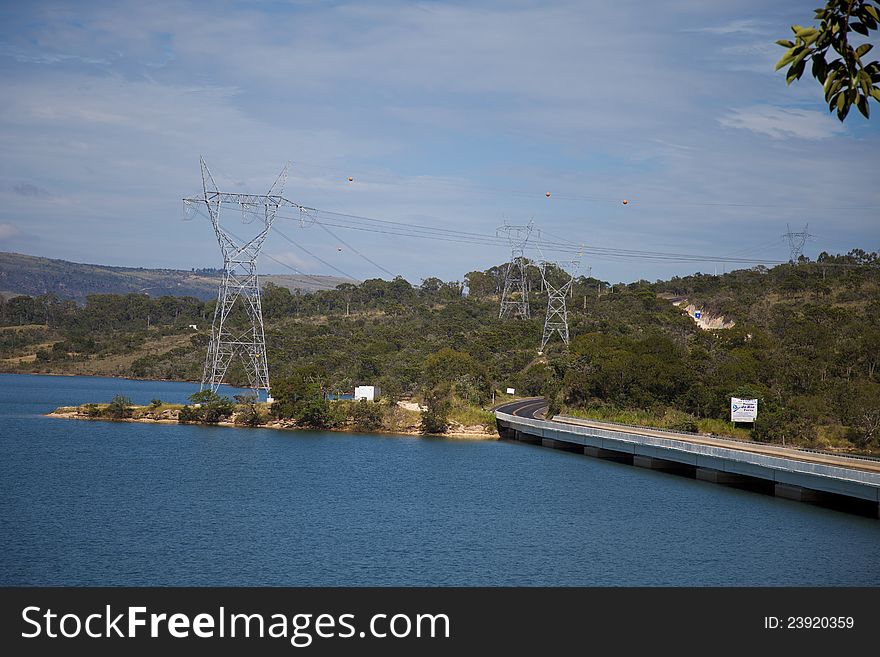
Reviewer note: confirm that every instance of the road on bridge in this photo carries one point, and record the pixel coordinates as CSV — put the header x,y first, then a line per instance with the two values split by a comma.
x,y
527,408
534,408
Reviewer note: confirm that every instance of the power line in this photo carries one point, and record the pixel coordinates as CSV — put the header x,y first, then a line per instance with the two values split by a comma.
x,y
305,250
372,262
274,259
481,239
402,229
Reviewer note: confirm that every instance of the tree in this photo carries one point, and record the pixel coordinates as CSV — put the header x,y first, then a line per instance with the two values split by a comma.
x,y
846,79
315,414
431,284
367,415
248,413
212,407
862,411
119,407
435,417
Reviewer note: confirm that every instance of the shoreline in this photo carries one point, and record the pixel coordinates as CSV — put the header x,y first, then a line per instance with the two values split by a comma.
x,y
278,426
105,376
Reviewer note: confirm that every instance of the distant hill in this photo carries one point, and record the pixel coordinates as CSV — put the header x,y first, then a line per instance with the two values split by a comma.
x,y
32,276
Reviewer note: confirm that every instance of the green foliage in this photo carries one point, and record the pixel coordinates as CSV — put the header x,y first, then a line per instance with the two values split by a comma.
x,y
460,372
189,414
367,415
532,381
846,79
315,414
804,344
862,413
249,415
91,410
209,408
303,385
118,408
435,417
156,403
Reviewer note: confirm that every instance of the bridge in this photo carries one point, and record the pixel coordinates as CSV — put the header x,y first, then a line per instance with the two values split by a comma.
x,y
847,483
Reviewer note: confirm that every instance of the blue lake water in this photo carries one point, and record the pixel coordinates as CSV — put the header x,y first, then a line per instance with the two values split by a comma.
x,y
100,503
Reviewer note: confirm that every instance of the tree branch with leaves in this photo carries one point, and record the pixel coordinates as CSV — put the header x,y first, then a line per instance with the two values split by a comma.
x,y
846,79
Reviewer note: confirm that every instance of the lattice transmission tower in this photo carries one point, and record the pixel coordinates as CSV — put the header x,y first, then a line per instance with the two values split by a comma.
x,y
240,282
556,320
515,292
796,242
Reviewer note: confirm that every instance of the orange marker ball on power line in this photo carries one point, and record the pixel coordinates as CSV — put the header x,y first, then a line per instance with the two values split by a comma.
x,y
547,194
625,201
350,179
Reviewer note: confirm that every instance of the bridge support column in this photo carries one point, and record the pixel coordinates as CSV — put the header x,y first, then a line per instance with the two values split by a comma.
x,y
661,464
607,454
721,477
561,444
799,493
528,438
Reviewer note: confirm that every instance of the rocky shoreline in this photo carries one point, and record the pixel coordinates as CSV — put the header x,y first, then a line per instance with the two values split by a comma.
x,y
170,416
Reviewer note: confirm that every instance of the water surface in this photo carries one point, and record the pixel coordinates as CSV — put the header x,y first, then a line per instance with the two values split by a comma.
x,y
104,503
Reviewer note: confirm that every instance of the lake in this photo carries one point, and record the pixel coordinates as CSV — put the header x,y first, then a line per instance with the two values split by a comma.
x,y
102,503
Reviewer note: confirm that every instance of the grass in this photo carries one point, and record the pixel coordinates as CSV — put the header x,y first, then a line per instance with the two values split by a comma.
x,y
471,415
670,419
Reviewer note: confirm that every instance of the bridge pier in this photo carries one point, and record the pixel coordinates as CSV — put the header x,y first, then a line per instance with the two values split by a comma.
x,y
721,477
562,445
800,494
608,454
827,480
663,465
528,438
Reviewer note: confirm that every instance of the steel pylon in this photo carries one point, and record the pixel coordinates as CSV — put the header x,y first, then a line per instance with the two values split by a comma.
x,y
515,292
556,320
240,282
796,242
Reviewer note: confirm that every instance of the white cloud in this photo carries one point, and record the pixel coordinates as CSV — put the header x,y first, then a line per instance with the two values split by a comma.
x,y
783,123
8,232
741,26
453,117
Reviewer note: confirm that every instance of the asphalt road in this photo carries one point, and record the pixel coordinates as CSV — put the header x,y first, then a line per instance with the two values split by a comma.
x,y
528,408
524,408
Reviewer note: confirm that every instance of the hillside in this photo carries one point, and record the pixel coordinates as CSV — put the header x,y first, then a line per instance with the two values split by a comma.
x,y
33,276
802,339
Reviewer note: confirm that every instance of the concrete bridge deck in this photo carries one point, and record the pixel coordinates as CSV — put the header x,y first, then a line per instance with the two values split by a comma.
x,y
829,479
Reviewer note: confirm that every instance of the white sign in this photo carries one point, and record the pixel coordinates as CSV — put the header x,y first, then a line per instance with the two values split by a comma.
x,y
743,410
511,391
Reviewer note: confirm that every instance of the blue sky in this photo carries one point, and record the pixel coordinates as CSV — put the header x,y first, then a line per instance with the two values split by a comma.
x,y
458,115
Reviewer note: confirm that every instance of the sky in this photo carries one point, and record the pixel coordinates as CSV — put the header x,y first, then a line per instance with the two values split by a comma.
x,y
452,115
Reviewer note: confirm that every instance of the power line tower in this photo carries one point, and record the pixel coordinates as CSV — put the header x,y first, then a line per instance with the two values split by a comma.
x,y
515,293
556,320
239,279
796,242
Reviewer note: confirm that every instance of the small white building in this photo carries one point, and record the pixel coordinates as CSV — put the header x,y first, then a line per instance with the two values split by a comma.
x,y
370,393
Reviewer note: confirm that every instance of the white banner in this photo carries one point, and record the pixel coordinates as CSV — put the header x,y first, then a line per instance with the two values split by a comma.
x,y
743,410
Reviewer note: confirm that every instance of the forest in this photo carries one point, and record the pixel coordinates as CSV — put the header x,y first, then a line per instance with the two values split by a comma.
x,y
803,338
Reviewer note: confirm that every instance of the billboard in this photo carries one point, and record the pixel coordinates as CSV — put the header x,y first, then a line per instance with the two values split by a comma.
x,y
743,410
